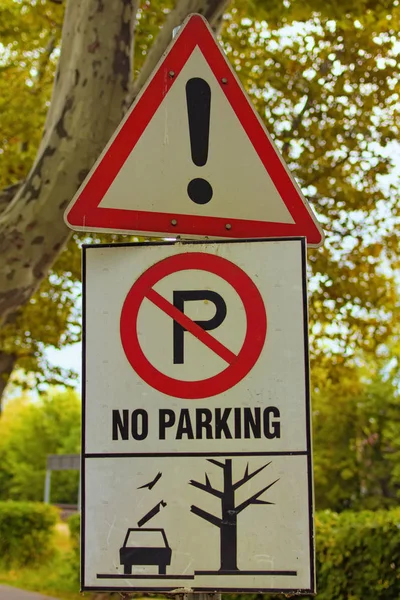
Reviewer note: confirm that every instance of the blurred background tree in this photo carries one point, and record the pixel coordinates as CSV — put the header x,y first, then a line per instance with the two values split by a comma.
x,y
30,429
356,441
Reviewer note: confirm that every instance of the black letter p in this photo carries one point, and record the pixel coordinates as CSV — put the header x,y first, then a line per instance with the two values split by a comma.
x,y
180,297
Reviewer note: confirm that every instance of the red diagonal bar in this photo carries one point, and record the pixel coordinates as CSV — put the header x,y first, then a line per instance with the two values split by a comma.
x,y
204,337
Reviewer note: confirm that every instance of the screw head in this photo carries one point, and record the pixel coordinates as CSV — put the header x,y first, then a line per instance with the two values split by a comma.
x,y
224,80
171,74
174,222
228,226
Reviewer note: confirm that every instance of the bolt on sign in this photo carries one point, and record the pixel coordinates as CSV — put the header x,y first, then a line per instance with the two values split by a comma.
x,y
196,452
193,158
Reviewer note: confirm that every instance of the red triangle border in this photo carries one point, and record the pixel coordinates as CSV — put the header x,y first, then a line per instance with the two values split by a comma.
x,y
84,212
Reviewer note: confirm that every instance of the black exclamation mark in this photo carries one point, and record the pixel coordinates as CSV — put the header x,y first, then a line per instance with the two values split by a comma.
x,y
198,99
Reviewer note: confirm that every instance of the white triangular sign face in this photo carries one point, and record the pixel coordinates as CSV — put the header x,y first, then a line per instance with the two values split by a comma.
x,y
161,181
192,158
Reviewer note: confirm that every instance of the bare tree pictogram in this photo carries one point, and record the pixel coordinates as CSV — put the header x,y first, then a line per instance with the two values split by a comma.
x,y
228,523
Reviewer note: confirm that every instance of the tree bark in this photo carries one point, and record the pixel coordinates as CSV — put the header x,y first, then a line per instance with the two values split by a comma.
x,y
7,194
88,96
7,363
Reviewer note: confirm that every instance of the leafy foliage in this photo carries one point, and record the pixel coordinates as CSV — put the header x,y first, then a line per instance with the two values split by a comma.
x,y
26,530
356,436
358,555
74,524
30,38
326,84
29,431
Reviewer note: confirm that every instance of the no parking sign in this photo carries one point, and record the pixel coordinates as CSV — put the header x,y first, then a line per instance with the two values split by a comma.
x,y
237,365
196,417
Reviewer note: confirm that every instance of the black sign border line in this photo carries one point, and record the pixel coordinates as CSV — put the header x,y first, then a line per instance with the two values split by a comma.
x,y
307,452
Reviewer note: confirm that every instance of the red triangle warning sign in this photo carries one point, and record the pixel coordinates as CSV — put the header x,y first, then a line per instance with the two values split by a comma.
x,y
192,158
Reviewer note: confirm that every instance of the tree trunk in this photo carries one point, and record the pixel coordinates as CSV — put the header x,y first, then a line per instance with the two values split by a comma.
x,y
88,96
229,544
90,91
7,363
88,101
228,540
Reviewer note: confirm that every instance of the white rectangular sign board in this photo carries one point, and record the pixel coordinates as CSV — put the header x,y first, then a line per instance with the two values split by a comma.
x,y
197,466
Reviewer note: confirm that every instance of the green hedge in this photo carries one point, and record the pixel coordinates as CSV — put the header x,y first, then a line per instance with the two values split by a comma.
x,y
74,524
26,532
357,556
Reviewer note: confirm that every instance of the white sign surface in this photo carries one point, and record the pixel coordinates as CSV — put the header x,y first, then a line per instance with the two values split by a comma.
x,y
230,152
197,456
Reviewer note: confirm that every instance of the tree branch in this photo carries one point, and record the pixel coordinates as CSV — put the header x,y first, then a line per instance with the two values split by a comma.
x,y
297,119
7,364
206,488
296,124
212,10
45,58
7,194
253,499
321,173
87,104
248,476
216,462
206,516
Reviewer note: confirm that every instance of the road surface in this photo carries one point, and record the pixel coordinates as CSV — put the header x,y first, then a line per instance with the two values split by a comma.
x,y
10,593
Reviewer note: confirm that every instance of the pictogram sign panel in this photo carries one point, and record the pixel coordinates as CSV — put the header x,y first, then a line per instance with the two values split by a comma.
x,y
196,452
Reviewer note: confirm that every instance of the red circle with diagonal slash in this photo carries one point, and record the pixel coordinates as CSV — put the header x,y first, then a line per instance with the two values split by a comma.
x,y
238,365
